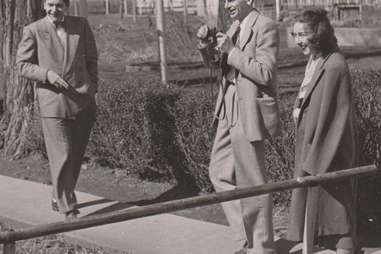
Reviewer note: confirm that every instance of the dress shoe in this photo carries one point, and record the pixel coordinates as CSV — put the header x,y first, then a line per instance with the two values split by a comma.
x,y
71,214
55,205
241,251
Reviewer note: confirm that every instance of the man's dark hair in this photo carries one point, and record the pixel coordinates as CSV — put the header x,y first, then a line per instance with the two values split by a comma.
x,y
324,38
66,2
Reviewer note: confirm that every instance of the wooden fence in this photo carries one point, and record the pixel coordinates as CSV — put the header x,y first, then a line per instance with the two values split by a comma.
x,y
327,3
142,6
9,238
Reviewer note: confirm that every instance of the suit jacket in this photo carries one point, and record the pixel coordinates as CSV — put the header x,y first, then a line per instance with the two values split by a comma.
x,y
40,50
255,59
326,141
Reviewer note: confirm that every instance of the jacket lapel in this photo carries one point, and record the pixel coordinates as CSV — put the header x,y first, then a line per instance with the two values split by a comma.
x,y
247,31
51,37
72,39
233,29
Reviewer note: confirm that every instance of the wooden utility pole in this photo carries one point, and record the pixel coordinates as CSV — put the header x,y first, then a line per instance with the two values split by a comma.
x,y
185,12
160,23
107,7
277,10
125,8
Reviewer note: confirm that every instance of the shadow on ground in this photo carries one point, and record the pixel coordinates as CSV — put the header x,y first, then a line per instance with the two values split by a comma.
x,y
177,192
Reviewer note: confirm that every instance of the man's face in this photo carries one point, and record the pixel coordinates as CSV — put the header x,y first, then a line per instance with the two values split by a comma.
x,y
55,9
238,9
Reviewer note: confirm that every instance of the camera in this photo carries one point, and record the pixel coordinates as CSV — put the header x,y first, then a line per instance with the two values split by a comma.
x,y
207,45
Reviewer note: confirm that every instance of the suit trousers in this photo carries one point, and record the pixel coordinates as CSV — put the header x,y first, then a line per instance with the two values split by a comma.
x,y
236,163
66,141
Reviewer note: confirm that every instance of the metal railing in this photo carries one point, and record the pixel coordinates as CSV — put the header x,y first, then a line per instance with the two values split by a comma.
x,y
9,238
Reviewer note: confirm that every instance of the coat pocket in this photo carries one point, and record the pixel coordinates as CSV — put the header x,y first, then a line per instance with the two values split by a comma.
x,y
269,112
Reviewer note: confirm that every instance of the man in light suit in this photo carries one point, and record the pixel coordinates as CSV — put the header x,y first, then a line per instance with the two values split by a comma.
x,y
247,113
59,52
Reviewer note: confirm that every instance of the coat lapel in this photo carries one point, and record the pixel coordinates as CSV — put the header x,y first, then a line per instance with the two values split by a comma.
x,y
247,32
314,81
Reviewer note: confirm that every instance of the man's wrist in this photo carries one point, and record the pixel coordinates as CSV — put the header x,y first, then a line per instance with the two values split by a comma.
x,y
46,76
229,54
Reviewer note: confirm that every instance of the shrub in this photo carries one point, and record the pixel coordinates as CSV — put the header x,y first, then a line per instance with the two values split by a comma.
x,y
367,94
279,153
194,133
367,91
165,134
118,138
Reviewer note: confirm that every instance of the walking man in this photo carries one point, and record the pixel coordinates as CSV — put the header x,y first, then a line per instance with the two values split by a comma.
x,y
59,52
246,113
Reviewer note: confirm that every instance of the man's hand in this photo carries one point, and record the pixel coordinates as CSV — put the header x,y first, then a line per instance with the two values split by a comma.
x,y
55,80
202,32
202,36
224,43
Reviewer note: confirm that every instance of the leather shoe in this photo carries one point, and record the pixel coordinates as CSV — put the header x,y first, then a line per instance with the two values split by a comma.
x,y
55,205
241,251
71,214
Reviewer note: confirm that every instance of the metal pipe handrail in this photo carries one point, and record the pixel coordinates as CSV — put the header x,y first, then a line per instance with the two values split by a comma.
x,y
175,205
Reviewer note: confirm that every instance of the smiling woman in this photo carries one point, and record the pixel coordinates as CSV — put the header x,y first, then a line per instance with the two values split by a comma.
x,y
325,134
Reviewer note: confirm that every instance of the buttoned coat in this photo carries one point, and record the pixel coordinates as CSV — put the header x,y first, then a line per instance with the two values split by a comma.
x,y
255,60
40,50
325,142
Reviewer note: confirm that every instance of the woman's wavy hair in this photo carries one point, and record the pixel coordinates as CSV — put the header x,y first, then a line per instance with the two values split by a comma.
x,y
324,38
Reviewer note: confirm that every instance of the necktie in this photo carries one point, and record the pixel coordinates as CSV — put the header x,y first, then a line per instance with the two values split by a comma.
x,y
231,73
235,37
60,30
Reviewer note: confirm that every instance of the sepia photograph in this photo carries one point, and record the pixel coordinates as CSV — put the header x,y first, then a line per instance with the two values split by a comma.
x,y
190,126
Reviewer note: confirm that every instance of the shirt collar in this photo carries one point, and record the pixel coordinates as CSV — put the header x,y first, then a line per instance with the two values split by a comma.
x,y
51,21
243,23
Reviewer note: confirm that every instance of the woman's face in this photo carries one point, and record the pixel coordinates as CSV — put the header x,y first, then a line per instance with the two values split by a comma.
x,y
303,34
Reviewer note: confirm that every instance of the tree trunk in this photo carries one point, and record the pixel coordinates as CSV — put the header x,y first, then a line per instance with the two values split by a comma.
x,y
2,32
19,96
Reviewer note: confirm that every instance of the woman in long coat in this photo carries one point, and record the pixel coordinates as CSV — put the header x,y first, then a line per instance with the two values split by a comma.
x,y
325,133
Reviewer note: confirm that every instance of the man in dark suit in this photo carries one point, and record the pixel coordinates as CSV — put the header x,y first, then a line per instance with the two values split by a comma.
x,y
247,113
59,52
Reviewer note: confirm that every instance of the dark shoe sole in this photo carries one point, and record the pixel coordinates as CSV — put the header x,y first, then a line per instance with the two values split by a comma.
x,y
71,214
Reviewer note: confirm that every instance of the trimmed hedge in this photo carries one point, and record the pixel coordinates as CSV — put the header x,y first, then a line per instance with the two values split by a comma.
x,y
164,134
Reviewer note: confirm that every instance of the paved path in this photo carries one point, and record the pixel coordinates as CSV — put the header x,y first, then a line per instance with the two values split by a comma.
x,y
28,203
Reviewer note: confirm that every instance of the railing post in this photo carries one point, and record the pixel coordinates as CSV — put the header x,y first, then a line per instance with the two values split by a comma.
x,y
310,219
9,248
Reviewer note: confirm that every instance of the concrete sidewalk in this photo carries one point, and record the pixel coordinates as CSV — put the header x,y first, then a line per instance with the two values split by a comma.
x,y
28,203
